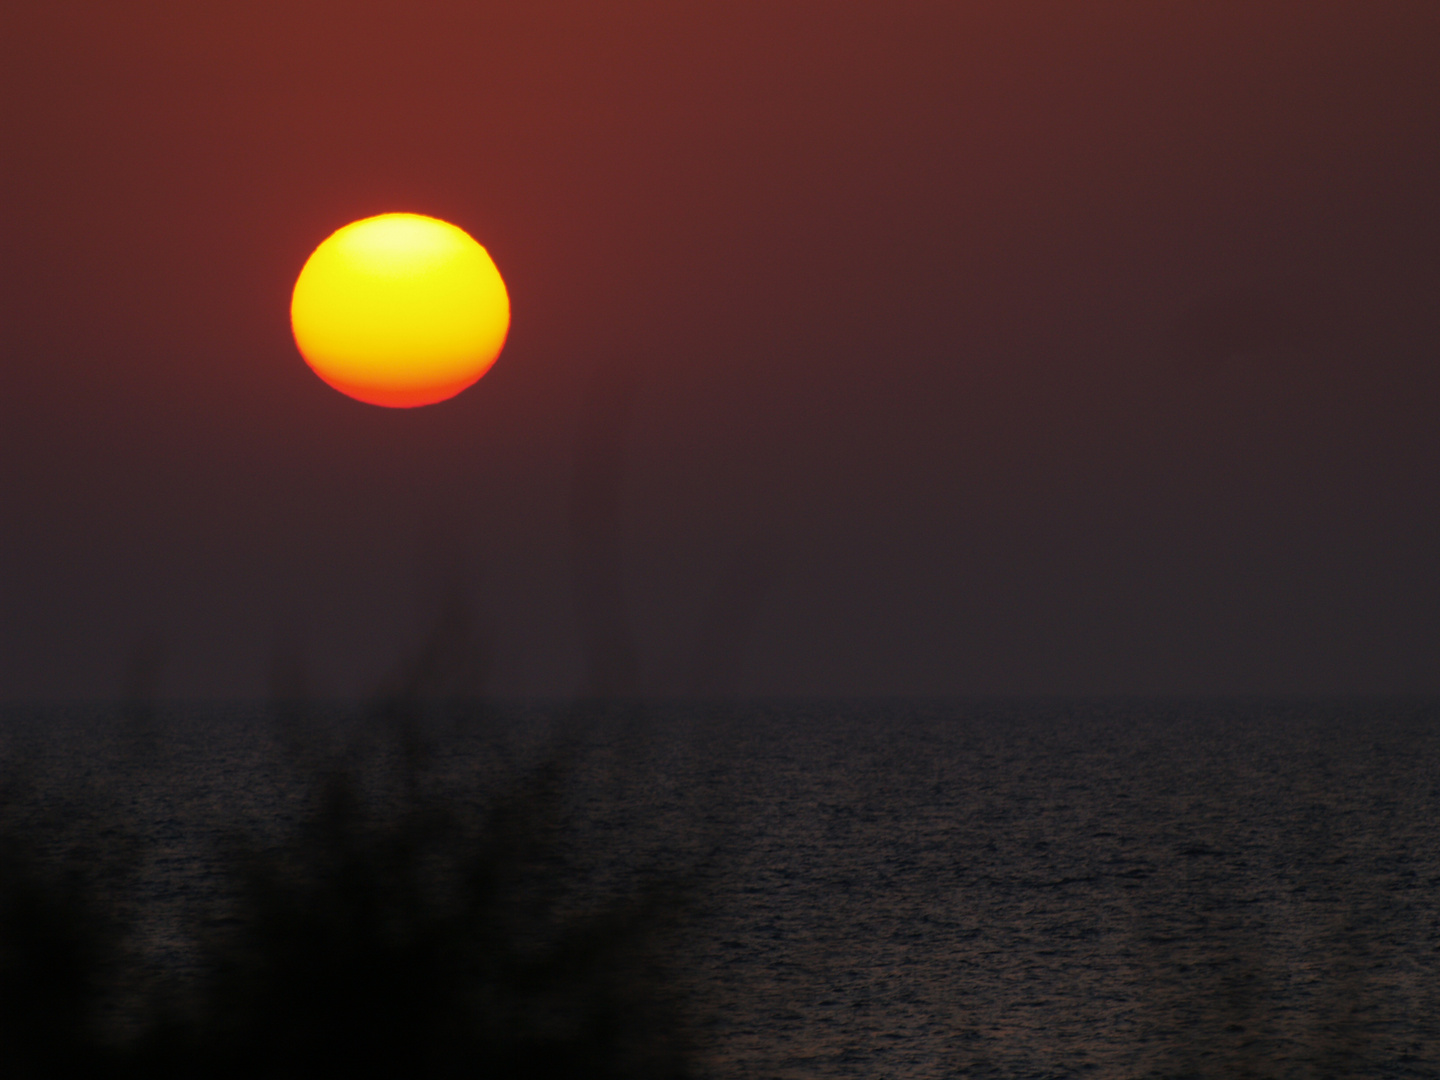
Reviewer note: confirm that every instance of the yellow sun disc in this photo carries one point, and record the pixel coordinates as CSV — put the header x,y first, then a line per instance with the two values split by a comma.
x,y
400,310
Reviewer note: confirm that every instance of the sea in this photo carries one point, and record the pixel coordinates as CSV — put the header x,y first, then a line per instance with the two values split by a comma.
x,y
879,889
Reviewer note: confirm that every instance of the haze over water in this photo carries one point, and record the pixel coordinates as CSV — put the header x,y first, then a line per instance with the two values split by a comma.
x,y
1110,889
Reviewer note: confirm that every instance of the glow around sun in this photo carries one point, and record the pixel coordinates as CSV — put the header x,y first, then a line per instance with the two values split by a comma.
x,y
400,310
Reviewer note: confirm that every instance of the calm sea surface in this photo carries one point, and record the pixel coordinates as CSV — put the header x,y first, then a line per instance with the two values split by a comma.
x,y
1108,889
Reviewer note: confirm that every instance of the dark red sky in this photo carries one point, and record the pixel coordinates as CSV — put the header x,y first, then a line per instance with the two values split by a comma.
x,y
977,347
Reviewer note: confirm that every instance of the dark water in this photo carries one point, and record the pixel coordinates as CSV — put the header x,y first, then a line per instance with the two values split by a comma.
x,y
912,890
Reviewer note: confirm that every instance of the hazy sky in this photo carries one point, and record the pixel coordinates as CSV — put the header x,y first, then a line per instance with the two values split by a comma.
x,y
965,347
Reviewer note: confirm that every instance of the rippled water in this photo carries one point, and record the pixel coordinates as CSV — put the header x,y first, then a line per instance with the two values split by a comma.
x,y
927,890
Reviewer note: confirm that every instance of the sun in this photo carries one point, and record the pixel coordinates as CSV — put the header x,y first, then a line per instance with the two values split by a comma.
x,y
400,310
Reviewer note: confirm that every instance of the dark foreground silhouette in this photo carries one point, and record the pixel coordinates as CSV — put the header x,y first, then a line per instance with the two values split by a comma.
x,y
417,935
424,935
